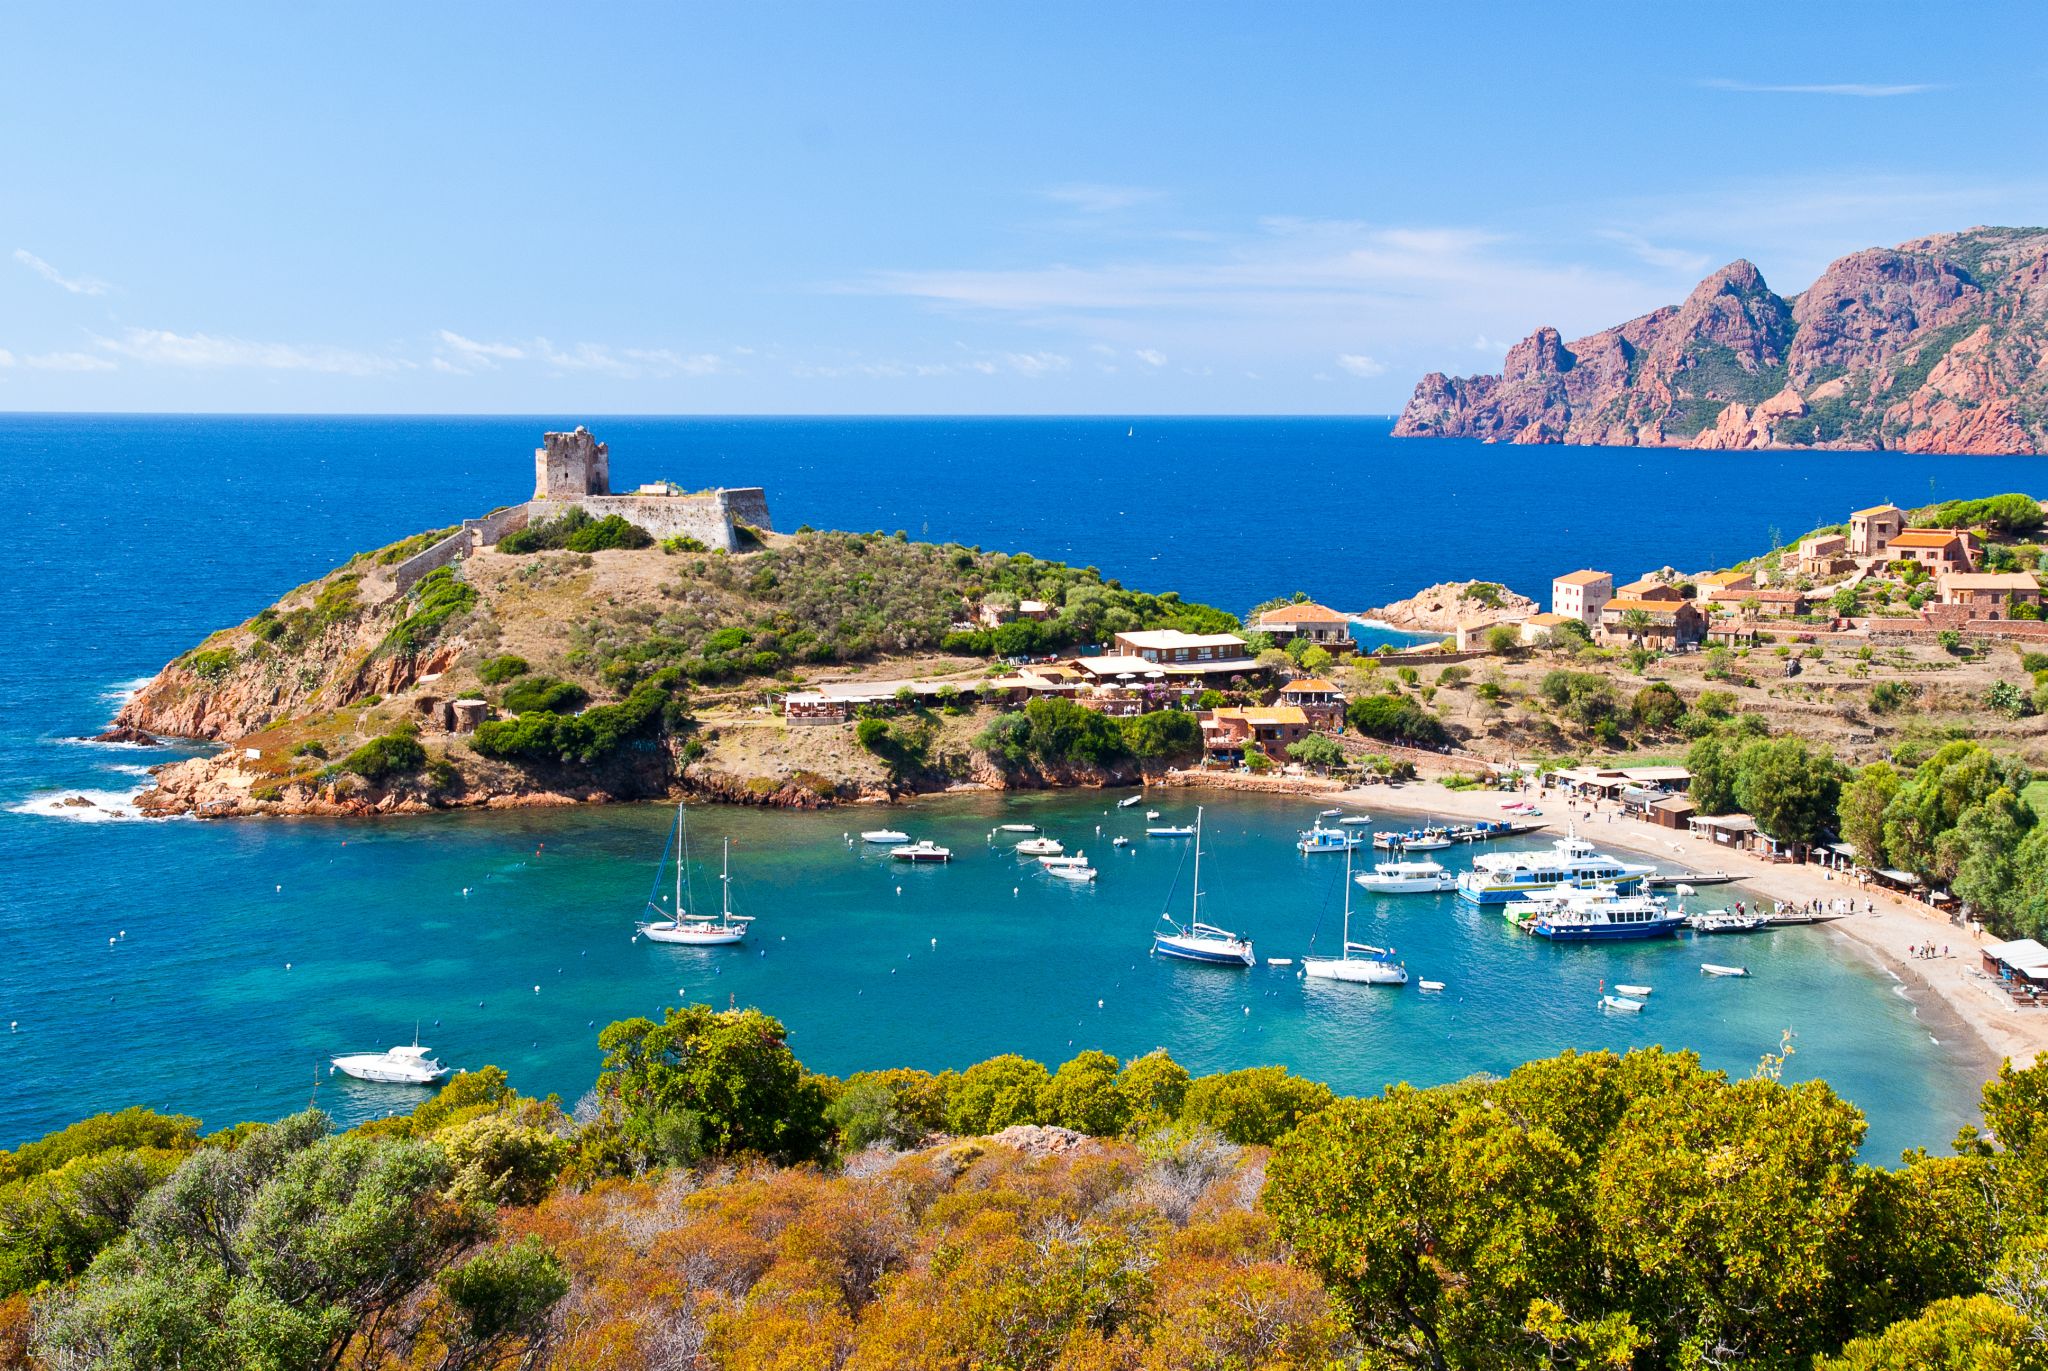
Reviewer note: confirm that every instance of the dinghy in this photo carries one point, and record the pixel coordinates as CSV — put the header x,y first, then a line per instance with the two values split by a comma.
x,y
1621,1003
1637,991
1716,969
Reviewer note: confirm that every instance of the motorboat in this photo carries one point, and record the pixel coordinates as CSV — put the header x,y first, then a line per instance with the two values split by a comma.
x,y
1279,961
409,1065
1130,800
1330,814
885,835
1354,821
1406,878
1724,921
1602,914
1171,831
1716,969
1151,814
1119,841
1634,991
1196,941
1358,963
923,850
1016,828
1621,1003
1429,985
1065,872
1321,839
679,926
1078,859
1427,840
1501,877
1040,847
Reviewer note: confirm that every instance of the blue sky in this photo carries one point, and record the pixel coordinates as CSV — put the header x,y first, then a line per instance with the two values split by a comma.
x,y
933,208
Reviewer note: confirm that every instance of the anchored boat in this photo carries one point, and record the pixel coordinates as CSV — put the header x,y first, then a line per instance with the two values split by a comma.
x,y
1499,877
1196,941
1370,967
398,1066
1320,839
1406,878
923,850
1602,914
681,926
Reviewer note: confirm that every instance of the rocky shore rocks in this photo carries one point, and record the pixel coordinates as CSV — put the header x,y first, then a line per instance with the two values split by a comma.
x,y
126,733
1442,608
1933,346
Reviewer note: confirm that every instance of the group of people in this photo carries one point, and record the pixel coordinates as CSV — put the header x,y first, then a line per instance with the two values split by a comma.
x,y
1926,952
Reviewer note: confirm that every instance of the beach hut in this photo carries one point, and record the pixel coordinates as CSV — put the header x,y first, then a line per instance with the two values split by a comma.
x,y
2022,960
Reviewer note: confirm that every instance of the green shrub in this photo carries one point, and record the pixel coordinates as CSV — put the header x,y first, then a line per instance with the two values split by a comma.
x,y
210,664
437,597
576,531
393,754
682,543
499,670
587,737
538,693
1395,719
1255,1106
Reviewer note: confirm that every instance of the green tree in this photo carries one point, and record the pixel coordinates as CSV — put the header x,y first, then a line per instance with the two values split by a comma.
x,y
991,1095
1154,1087
498,1302
1316,751
1973,1333
1082,1095
1635,623
1861,810
1789,787
1712,762
1396,719
1162,734
1656,707
723,1077
1957,776
1254,1106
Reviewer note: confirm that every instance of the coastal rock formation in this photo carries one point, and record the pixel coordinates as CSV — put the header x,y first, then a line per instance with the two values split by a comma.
x,y
1444,607
123,733
1932,346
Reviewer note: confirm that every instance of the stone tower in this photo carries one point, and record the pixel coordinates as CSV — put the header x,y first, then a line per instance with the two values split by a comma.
x,y
569,466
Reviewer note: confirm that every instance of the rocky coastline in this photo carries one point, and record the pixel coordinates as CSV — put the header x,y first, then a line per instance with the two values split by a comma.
x,y
1450,605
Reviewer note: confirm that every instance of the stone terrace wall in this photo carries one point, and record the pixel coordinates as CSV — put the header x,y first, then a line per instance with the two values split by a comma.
x,y
473,534
702,517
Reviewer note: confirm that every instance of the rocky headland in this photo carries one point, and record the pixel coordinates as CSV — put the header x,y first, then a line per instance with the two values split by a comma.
x,y
1444,607
1933,346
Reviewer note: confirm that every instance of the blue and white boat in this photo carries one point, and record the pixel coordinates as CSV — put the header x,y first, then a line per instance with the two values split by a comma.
x,y
1600,915
1196,941
1502,877
1320,839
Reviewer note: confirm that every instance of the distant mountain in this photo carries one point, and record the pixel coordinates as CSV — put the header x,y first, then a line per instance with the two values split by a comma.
x,y
1933,346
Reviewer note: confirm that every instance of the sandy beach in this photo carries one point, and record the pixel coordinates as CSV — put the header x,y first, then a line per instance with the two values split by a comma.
x,y
1948,989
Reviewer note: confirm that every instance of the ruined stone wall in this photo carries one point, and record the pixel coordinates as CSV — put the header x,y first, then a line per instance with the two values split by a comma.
x,y
749,505
702,517
569,465
473,534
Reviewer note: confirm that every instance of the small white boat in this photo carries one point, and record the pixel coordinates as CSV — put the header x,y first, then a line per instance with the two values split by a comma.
x,y
1406,878
400,1066
1151,813
1622,1003
923,850
1723,921
1071,873
1078,859
1196,941
1040,847
1372,965
1716,969
1130,800
1330,840
1171,831
682,928
1279,961
1637,991
884,835
1330,814
1354,821
1119,841
1430,985
1016,828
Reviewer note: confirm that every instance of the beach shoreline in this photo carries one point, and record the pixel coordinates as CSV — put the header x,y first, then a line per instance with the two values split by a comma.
x,y
1949,992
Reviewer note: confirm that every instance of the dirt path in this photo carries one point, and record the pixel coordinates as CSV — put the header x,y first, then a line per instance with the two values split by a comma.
x,y
1948,988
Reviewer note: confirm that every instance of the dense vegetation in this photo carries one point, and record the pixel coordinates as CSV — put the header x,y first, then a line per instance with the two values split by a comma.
x,y
576,531
1053,732
593,735
714,1204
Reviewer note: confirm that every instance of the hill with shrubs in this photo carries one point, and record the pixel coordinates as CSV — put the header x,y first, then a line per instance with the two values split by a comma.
x,y
711,1204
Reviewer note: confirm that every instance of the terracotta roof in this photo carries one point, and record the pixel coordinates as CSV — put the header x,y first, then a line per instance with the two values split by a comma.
x,y
1583,578
1309,684
1551,620
1724,578
1987,580
1302,614
1776,597
1877,509
1270,714
1925,537
1618,608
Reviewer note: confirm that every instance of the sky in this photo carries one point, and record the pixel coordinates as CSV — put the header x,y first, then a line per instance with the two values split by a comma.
x,y
1000,208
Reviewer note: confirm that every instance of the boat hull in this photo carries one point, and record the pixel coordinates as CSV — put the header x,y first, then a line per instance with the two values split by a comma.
x,y
1406,885
692,937
1200,950
381,1075
1606,933
1353,972
1503,894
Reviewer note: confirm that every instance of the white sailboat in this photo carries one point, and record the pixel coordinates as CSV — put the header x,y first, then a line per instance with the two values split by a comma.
x,y
1371,967
682,927
1196,941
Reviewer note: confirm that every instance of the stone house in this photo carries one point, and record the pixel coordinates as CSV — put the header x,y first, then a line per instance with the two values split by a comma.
x,y
1823,555
1321,625
1274,728
1650,588
1773,604
1938,550
1317,699
1872,530
1992,594
1173,650
1724,586
1537,628
1673,624
1580,595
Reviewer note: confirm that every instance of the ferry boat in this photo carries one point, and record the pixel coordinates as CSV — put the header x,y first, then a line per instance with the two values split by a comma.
x,y
1501,877
1602,915
1196,941
1406,878
1320,839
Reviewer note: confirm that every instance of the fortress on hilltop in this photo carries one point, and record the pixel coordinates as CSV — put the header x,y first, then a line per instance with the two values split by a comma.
x,y
573,471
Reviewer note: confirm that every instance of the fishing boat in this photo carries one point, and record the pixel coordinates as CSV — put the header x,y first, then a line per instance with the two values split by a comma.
x,y
1406,878
1171,831
923,850
1621,1003
1716,969
1040,847
1712,921
1196,941
1066,871
1602,914
1370,966
1321,839
1636,991
408,1065
682,927
1500,877
884,835
1427,840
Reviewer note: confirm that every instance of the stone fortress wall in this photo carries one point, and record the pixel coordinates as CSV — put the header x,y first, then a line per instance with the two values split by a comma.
x,y
573,471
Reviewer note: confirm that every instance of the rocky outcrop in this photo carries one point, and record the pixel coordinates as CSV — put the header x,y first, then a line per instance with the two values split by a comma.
x,y
132,737
1444,607
1933,346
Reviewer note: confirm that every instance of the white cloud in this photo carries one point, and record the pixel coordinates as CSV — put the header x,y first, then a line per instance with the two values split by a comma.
x,y
461,355
69,361
6,358
210,352
1671,259
1490,346
77,285
1360,365
469,354
1862,90
1088,198
1036,364
1151,357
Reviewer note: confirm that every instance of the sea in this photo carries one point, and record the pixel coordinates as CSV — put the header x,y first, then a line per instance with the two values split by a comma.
x,y
212,968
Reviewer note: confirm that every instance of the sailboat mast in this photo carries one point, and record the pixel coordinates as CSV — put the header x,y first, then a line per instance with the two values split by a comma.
x,y
679,861
725,881
1347,899
1195,905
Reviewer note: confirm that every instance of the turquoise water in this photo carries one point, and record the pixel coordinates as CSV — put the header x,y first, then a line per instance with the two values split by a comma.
x,y
134,536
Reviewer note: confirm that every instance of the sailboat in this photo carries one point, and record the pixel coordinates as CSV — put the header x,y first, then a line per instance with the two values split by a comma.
x,y
694,930
1372,967
1196,941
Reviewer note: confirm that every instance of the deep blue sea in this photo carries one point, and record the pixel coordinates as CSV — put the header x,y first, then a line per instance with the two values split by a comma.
x,y
246,952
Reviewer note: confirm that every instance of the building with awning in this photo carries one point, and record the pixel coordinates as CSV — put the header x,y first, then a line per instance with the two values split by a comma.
x,y
1729,830
2022,959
